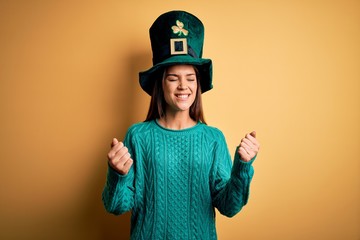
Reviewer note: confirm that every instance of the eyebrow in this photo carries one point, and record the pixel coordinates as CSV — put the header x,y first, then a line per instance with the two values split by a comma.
x,y
176,75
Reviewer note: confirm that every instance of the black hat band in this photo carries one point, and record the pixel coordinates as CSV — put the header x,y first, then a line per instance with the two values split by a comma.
x,y
178,46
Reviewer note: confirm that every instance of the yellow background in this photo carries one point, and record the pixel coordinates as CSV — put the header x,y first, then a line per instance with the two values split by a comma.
x,y
69,83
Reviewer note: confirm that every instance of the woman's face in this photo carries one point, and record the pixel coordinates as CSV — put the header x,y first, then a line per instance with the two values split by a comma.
x,y
179,86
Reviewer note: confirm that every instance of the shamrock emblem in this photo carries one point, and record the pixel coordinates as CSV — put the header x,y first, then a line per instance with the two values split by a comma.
x,y
179,28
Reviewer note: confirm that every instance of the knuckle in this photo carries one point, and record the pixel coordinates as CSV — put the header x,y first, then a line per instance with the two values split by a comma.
x,y
125,157
109,156
120,151
124,150
119,166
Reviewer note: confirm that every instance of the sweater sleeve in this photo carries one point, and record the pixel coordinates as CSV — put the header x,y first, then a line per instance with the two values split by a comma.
x,y
118,193
230,183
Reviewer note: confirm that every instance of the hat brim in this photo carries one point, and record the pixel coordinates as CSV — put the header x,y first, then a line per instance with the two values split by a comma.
x,y
147,78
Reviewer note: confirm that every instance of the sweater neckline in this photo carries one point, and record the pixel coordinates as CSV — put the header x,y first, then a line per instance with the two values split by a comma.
x,y
185,130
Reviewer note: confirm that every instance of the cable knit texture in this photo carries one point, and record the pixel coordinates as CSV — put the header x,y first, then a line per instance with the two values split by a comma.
x,y
178,178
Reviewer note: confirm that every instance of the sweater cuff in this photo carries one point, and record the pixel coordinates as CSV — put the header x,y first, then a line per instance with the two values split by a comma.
x,y
114,178
242,168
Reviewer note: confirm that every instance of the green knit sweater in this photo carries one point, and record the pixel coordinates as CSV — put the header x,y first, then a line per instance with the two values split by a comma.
x,y
178,178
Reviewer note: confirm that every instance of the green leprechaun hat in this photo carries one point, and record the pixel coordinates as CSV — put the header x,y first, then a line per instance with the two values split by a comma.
x,y
177,37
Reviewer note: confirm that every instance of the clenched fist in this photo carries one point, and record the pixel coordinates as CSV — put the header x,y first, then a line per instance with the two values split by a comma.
x,y
119,157
248,147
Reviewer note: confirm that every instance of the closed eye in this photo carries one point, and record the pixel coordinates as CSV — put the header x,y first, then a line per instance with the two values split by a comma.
x,y
172,79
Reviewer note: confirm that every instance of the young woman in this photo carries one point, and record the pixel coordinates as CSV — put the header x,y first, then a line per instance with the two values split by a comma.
x,y
173,170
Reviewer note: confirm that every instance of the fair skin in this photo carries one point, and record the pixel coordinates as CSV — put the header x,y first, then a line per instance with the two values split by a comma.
x,y
180,86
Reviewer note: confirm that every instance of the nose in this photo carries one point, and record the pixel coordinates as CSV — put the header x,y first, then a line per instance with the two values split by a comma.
x,y
182,85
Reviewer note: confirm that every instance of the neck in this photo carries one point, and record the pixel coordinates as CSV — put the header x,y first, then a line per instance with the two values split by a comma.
x,y
177,121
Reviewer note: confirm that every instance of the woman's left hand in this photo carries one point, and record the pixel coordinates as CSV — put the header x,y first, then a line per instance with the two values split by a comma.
x,y
249,147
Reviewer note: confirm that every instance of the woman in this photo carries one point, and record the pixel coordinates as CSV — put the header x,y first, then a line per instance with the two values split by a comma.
x,y
172,170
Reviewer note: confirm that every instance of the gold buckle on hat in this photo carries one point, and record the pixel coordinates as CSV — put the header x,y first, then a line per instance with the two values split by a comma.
x,y
178,46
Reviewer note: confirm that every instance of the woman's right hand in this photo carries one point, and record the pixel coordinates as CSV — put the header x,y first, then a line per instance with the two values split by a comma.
x,y
119,157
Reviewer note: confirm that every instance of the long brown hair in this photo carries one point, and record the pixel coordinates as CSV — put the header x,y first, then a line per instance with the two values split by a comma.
x,y
158,104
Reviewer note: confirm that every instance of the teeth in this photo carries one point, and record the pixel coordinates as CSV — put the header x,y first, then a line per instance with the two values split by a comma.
x,y
182,96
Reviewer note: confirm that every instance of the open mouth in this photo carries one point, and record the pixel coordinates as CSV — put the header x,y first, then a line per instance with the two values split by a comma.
x,y
182,96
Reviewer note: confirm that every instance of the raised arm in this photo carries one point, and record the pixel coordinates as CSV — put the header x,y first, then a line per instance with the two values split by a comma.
x,y
231,183
118,193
